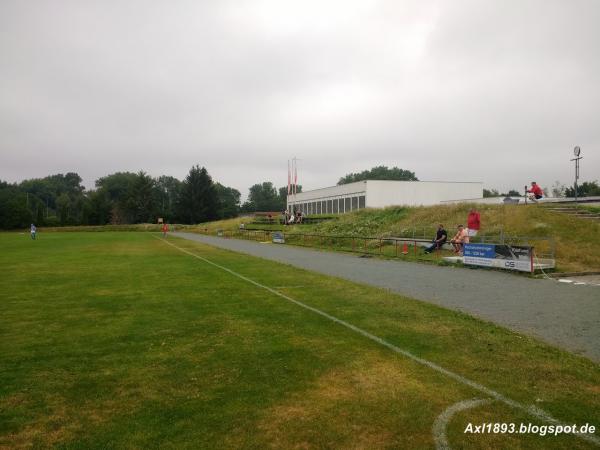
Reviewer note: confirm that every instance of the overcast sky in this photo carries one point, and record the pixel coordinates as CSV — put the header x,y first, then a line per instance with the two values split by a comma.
x,y
492,91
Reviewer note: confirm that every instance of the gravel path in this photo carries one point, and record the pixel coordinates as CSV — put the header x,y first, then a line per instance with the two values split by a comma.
x,y
564,315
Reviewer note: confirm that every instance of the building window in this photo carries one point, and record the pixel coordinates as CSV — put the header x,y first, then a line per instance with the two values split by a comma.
x,y
347,205
335,206
323,207
361,201
329,206
318,207
354,203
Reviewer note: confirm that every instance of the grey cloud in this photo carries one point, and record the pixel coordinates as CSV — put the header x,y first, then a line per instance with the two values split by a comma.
x,y
476,90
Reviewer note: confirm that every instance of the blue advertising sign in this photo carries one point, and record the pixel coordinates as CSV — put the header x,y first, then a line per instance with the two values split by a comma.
x,y
278,238
480,250
502,256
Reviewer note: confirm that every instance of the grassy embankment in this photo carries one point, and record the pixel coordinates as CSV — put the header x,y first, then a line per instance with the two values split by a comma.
x,y
576,240
118,340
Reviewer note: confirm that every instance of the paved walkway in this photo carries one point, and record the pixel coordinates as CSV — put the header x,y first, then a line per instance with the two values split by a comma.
x,y
561,314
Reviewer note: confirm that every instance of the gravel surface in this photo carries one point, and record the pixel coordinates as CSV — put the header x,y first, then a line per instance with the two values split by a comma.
x,y
565,315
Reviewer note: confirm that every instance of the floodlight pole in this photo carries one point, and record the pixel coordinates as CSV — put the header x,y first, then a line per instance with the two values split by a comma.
x,y
576,152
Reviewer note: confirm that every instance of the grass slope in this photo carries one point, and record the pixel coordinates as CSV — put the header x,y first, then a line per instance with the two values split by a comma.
x,y
117,340
576,240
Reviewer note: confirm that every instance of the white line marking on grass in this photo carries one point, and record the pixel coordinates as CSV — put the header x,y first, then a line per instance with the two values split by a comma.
x,y
533,410
440,424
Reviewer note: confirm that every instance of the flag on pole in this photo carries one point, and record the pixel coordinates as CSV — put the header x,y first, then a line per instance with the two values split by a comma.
x,y
295,177
289,178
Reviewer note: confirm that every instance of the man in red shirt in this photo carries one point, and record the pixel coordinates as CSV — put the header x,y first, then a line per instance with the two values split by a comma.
x,y
165,229
535,193
473,222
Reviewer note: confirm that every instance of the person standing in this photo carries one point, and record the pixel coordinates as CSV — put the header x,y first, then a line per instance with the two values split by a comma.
x,y
33,231
165,229
473,222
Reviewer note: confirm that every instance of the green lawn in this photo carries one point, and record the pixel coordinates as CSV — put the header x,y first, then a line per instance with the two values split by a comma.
x,y
118,340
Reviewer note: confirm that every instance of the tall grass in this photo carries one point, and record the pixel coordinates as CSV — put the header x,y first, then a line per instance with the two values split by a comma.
x,y
576,240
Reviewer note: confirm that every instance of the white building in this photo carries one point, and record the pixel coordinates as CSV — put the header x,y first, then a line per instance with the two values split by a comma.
x,y
382,193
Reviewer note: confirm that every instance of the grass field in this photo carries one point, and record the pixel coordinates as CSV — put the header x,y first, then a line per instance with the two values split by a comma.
x,y
119,340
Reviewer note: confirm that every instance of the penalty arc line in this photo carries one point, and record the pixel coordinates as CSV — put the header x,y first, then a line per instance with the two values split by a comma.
x,y
440,424
532,410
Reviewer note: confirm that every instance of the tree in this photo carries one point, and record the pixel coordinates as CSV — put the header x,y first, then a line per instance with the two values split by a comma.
x,y
43,193
229,201
13,208
116,189
142,199
168,189
263,197
490,193
198,201
585,189
379,173
97,208
511,193
558,189
283,196
63,203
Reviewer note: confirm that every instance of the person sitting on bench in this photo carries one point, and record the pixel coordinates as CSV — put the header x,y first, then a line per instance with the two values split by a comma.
x,y
440,239
460,238
535,193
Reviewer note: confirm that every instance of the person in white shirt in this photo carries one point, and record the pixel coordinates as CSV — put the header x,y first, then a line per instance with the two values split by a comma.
x,y
460,238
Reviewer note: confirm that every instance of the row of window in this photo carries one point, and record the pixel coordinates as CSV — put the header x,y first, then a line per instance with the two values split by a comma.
x,y
335,206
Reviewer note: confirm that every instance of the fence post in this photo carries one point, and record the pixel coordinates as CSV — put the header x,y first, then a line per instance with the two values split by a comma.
x,y
396,245
380,246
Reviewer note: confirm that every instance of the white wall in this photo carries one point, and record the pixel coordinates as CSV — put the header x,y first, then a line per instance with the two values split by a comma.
x,y
328,192
382,193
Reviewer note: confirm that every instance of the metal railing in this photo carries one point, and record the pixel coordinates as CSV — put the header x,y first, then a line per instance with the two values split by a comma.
x,y
409,244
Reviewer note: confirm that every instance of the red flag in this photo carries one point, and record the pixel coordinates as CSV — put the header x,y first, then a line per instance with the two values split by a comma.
x,y
295,178
289,178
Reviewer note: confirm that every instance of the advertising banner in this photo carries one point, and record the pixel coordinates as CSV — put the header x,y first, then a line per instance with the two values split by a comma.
x,y
278,238
510,257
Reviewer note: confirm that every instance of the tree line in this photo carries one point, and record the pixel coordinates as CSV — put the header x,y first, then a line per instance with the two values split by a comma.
x,y
129,198
119,198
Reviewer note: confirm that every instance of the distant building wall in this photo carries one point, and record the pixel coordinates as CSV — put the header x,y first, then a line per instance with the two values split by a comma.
x,y
381,193
419,193
330,200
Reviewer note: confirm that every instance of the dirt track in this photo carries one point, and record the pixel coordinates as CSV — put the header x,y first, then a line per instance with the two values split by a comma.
x,y
564,315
